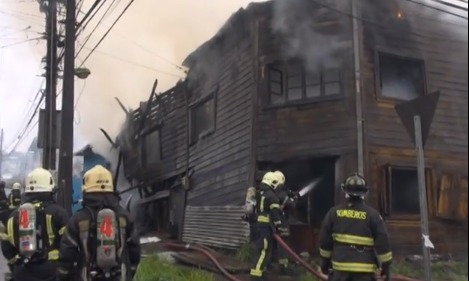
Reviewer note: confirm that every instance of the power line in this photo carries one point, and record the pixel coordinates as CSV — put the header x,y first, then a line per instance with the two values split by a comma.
x,y
384,26
21,42
107,32
436,9
450,4
94,29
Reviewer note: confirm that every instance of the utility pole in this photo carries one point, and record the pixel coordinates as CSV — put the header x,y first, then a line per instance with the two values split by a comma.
x,y
1,151
50,119
68,98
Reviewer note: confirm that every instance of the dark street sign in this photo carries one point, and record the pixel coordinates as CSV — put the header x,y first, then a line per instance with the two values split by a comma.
x,y
424,107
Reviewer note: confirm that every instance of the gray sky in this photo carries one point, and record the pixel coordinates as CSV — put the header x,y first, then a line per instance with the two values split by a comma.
x,y
147,43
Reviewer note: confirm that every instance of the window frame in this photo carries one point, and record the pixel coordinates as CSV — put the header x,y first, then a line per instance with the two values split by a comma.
x,y
282,68
144,151
386,208
410,57
212,97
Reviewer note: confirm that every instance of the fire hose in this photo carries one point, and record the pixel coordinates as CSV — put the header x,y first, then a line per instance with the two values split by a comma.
x,y
206,253
317,273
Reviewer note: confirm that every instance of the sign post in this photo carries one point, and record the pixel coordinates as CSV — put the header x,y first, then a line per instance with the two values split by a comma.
x,y
417,116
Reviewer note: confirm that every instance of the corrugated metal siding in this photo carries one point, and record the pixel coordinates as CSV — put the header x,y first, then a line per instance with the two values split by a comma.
x,y
219,226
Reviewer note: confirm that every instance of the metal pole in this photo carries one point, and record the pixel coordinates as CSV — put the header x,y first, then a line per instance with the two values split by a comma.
x,y
68,98
50,120
358,97
422,196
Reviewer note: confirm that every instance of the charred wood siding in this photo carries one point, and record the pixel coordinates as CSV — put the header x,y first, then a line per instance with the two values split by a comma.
x,y
221,159
168,111
307,128
423,34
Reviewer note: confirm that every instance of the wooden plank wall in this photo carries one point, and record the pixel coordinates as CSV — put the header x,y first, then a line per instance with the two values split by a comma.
x,y
428,37
307,130
423,34
221,160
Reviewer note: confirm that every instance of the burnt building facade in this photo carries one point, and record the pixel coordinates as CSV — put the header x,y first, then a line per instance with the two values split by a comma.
x,y
309,88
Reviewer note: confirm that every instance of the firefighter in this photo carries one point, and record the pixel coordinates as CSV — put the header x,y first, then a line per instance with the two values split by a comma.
x,y
4,209
31,247
269,219
14,198
98,234
287,203
354,240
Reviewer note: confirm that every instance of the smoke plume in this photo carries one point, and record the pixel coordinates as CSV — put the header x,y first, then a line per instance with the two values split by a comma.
x,y
296,21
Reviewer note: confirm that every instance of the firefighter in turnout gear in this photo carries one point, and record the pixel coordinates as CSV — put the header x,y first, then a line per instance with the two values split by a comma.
x,y
14,198
287,203
100,238
31,238
354,240
4,208
269,219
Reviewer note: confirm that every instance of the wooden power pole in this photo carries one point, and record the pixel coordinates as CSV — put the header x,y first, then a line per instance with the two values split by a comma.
x,y
66,144
50,119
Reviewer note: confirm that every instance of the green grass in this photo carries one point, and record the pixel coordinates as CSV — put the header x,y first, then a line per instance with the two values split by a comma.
x,y
441,271
154,269
245,252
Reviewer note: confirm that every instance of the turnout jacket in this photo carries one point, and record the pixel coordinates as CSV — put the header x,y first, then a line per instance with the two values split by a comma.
x,y
40,267
72,249
14,198
268,206
354,236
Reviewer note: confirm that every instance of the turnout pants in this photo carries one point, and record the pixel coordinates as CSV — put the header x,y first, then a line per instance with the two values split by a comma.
x,y
262,251
351,276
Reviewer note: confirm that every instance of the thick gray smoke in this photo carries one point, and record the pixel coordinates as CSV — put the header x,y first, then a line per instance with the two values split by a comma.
x,y
296,21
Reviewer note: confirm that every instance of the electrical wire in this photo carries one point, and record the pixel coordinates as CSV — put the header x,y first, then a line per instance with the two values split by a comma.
x,y
436,9
21,42
383,26
450,5
94,29
108,31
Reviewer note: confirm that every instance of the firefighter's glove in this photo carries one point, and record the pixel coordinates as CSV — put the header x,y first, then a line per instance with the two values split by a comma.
x,y
283,231
325,266
386,270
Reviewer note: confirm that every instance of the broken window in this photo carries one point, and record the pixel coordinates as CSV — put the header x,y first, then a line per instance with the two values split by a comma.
x,y
400,78
402,191
151,153
202,118
292,83
452,198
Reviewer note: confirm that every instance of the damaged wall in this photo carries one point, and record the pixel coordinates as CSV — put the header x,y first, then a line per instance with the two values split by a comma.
x,y
220,157
322,39
437,42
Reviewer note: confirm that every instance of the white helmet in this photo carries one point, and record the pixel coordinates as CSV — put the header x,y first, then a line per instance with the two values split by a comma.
x,y
16,186
97,179
273,179
39,180
280,176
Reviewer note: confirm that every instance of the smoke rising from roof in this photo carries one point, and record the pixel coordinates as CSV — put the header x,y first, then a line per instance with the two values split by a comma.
x,y
156,34
296,21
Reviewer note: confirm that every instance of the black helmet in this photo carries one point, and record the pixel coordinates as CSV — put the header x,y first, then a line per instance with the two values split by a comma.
x,y
355,186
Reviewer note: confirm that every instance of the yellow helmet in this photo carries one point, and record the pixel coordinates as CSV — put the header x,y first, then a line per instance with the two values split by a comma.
x,y
39,180
16,186
97,179
273,179
280,176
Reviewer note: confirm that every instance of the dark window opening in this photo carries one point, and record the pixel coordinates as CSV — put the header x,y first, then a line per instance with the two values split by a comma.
x,y
151,153
401,78
402,191
202,118
293,83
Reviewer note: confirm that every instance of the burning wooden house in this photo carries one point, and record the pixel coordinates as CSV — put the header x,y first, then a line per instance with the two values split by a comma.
x,y
309,88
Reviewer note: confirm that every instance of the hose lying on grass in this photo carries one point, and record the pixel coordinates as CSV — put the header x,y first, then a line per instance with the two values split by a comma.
x,y
206,253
